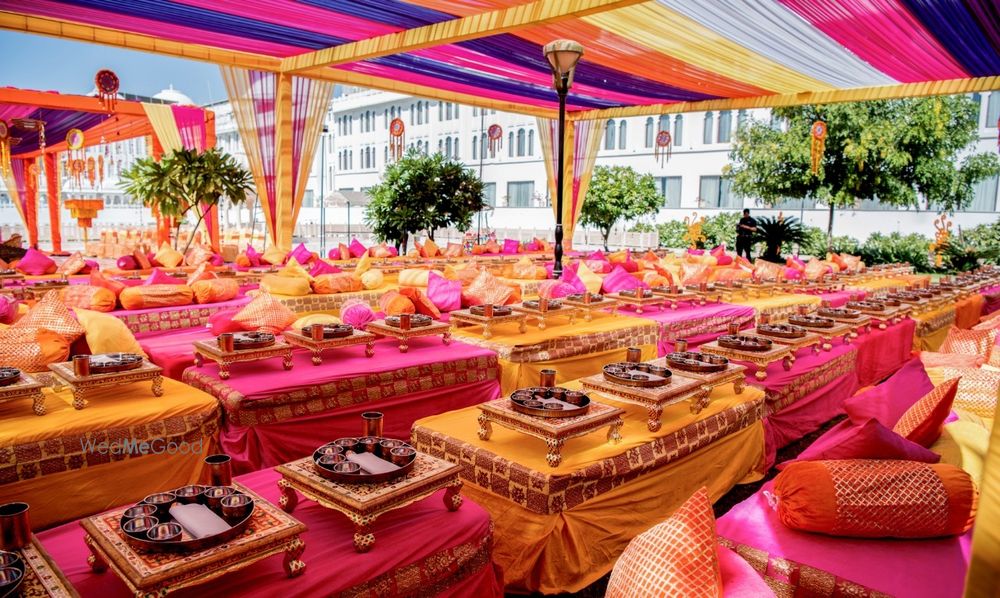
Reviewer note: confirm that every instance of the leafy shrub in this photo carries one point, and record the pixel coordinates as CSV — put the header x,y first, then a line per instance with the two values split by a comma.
x,y
985,240
892,248
721,228
777,234
671,234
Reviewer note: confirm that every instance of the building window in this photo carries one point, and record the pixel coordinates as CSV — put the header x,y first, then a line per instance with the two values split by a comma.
x,y
741,119
622,127
519,194
609,135
454,146
725,126
490,194
670,189
483,145
520,142
475,147
510,144
531,142
992,109
440,146
385,154
709,123
678,130
440,111
984,197
447,111
650,134
447,147
714,193
413,115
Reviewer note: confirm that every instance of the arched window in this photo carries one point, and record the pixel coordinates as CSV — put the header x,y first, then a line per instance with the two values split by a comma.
x,y
440,111
609,135
510,144
621,134
725,126
413,116
447,148
447,111
531,142
678,129
385,118
483,145
454,148
650,133
706,136
440,146
741,119
475,147
520,142
664,123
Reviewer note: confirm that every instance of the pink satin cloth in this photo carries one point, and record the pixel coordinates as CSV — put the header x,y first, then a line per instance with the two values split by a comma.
x,y
882,352
925,568
343,373
991,297
697,323
172,350
739,580
840,298
413,534
170,318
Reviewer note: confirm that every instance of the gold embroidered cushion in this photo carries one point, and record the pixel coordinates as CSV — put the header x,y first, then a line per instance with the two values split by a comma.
x,y
864,498
86,296
922,422
72,265
169,257
285,285
675,558
32,349
264,313
51,314
970,342
486,288
156,295
107,334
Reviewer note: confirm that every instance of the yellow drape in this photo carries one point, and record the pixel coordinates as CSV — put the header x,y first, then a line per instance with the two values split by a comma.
x,y
984,570
583,139
161,117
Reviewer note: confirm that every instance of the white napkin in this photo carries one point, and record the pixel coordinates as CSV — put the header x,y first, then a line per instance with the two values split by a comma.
x,y
563,403
198,520
371,464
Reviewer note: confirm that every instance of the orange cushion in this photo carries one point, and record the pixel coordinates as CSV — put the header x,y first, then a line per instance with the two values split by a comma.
x,y
970,342
694,273
429,249
765,270
215,290
876,498
99,280
675,558
156,295
141,259
198,255
923,421
89,297
72,265
265,313
341,282
200,273
345,251
420,301
486,288
32,349
243,261
51,314
394,303
453,250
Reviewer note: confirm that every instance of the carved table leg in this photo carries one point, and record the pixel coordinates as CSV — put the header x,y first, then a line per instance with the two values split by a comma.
x,y
654,412
614,433
673,304
761,373
224,370
286,360
522,325
403,345
816,348
78,401
485,427
827,345
157,385
572,318
739,384
453,497
364,537
791,357
198,360
317,356
446,337
38,403
487,333
787,362
554,457
370,348
292,562
588,315
95,560
541,322
289,499
701,400
638,309
847,338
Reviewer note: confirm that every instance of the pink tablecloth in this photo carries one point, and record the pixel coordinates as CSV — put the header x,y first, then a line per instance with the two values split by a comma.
x,y
272,416
840,298
419,548
698,324
925,568
143,322
882,352
172,350
991,298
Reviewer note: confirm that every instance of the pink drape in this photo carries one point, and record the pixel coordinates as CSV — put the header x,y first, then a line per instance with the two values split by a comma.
x,y
9,111
191,125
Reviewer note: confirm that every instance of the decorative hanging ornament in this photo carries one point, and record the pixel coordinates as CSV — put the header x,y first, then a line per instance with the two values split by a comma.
x,y
100,170
77,167
91,171
495,133
663,149
74,139
107,88
4,148
817,135
694,236
941,238
32,124
397,138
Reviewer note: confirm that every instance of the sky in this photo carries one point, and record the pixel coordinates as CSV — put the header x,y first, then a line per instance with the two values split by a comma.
x,y
50,64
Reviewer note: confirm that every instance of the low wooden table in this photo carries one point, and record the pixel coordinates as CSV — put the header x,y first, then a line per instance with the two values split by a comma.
x,y
856,324
588,309
465,316
364,503
380,328
38,290
42,578
637,302
714,295
829,334
892,314
654,399
7,278
680,297
81,384
210,350
157,574
542,316
357,337
555,431
26,387
811,339
760,359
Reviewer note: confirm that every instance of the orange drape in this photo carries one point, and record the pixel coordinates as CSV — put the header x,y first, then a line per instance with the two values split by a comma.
x,y
212,216
31,201
162,223
52,190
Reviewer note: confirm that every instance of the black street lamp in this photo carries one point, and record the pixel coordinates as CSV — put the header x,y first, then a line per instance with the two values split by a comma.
x,y
562,54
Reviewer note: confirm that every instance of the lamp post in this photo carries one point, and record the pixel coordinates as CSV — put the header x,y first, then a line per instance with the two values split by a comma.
x,y
562,54
322,192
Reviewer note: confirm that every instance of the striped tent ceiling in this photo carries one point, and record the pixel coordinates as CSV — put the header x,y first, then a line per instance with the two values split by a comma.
x,y
641,57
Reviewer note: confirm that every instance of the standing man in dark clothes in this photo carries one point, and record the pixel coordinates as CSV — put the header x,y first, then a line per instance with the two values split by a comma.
x,y
744,234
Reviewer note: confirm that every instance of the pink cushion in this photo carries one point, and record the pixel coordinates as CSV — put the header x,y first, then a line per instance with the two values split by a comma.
x,y
599,266
718,250
793,273
870,440
357,313
532,246
127,262
555,289
36,263
8,309
89,266
301,254
357,249
333,254
253,256
629,264
445,294
597,255
393,251
511,246
724,260
151,256
620,280
216,260
888,401
696,251
739,580
322,267
160,277
570,277
222,321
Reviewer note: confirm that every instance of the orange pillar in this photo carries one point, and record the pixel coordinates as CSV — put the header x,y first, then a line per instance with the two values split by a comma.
x,y
52,190
212,216
30,200
284,188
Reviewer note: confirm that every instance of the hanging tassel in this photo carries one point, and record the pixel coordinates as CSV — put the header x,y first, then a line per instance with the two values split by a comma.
x,y
107,88
91,171
100,169
663,149
397,138
495,133
817,144
4,148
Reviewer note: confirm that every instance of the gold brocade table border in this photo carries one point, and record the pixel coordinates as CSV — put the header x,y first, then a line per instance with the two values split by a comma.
x,y
362,388
42,577
690,327
552,492
332,302
178,318
818,378
930,322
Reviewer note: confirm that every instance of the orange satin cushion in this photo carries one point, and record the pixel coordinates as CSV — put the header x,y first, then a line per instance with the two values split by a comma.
x,y
99,280
141,259
72,265
694,273
265,313
341,282
90,297
243,261
453,250
765,270
421,303
729,275
200,273
394,303
863,498
345,251
923,421
32,349
429,249
486,288
525,269
156,295
51,314
463,273
676,558
215,290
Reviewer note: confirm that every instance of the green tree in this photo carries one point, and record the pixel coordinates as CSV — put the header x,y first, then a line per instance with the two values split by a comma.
x,y
776,233
185,179
618,193
422,192
901,153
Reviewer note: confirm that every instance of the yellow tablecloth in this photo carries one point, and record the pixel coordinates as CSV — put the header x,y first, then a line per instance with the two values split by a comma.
x,y
45,460
932,328
881,284
559,530
574,351
779,305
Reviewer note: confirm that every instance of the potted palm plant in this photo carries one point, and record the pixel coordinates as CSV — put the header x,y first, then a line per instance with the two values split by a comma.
x,y
777,232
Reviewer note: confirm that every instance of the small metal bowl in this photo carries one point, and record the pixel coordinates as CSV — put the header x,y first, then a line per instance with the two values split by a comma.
x,y
215,494
8,558
236,506
387,444
189,494
165,532
10,576
162,502
348,444
401,455
532,403
574,397
331,449
557,392
553,406
140,525
369,444
140,510
347,467
330,460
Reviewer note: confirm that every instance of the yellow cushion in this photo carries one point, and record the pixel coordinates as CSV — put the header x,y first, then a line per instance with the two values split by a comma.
x,y
372,279
964,443
107,334
589,279
306,321
364,265
414,277
274,256
294,270
285,285
168,256
430,249
156,295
